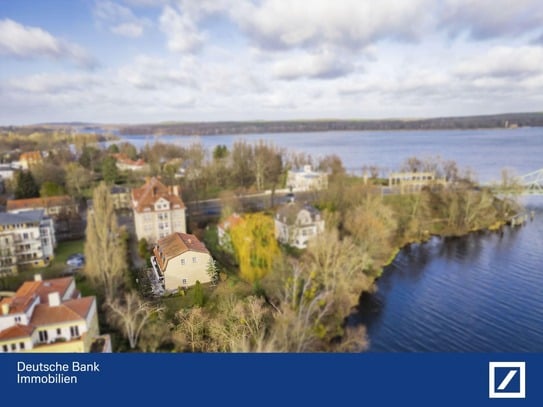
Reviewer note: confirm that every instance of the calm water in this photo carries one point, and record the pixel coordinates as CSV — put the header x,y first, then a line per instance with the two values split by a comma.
x,y
481,293
486,152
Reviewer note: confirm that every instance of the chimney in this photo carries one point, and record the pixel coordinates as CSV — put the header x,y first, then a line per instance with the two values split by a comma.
x,y
37,277
54,299
176,190
5,309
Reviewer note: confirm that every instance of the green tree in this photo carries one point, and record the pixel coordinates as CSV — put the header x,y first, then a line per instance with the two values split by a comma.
x,y
110,173
198,296
78,178
51,189
220,152
143,248
113,149
25,186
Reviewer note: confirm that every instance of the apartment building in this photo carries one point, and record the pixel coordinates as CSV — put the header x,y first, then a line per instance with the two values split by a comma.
x,y
158,210
26,238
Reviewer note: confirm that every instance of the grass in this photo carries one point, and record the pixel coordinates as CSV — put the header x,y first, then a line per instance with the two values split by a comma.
x,y
53,270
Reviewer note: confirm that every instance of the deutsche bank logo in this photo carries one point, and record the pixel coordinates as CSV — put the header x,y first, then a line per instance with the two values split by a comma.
x,y
507,380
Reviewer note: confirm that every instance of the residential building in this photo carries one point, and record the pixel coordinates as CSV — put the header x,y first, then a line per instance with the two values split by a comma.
x,y
121,197
52,206
64,211
223,229
306,179
7,171
127,164
180,260
158,210
49,316
26,238
30,158
413,181
296,224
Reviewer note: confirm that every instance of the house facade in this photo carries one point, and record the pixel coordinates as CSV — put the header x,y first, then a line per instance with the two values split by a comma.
x,y
48,316
306,179
30,158
125,163
26,238
121,197
180,260
297,224
158,211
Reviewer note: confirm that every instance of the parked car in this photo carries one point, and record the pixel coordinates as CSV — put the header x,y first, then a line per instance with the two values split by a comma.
x,y
76,260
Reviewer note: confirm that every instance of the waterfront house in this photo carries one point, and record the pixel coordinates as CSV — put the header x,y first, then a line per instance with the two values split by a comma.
x,y
180,260
158,210
125,163
296,224
306,179
48,316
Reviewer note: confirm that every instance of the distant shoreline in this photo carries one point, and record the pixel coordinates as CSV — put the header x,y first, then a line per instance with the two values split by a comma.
x,y
498,121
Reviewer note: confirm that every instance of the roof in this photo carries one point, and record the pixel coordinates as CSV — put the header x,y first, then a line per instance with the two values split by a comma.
x,y
30,156
59,285
124,159
32,203
16,332
34,216
146,196
291,210
68,311
175,244
230,221
24,296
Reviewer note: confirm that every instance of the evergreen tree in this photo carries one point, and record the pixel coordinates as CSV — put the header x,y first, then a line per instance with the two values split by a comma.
x,y
26,186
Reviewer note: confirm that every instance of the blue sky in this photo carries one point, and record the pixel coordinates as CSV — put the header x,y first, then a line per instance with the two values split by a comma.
x,y
140,61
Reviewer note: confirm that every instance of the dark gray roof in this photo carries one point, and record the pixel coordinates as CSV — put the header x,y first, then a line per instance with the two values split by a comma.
x,y
21,217
289,212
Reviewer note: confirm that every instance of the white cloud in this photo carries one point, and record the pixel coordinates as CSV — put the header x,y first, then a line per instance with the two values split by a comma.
x,y
147,72
33,42
504,61
322,65
181,30
485,19
119,19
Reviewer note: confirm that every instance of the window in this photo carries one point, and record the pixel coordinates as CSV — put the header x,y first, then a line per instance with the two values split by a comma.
x,y
14,346
182,262
21,345
59,331
5,348
17,320
43,336
194,259
74,331
184,281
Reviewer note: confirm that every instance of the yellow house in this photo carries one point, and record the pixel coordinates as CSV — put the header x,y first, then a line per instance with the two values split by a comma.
x,y
180,260
48,316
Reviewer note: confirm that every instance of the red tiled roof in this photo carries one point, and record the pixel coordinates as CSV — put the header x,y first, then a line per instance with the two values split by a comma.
x,y
33,203
23,297
30,156
124,159
68,311
175,244
59,285
146,196
15,332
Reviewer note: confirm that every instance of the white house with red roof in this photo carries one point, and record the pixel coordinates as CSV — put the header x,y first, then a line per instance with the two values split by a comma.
x,y
48,316
180,260
158,210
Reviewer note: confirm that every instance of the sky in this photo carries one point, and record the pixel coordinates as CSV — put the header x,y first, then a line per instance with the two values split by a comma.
x,y
144,61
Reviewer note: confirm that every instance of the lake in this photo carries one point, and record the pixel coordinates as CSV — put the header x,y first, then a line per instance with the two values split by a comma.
x,y
482,292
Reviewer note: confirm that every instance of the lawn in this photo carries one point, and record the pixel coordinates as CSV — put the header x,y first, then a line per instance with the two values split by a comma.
x,y
55,269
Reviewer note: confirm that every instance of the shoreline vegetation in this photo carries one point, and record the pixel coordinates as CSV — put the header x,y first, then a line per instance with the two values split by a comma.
x,y
495,121
266,297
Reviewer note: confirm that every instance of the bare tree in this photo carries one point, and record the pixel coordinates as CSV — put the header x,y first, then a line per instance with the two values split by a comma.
x,y
191,331
105,249
130,314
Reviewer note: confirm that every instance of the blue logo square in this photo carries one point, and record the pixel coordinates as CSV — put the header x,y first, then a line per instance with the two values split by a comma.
x,y
507,381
